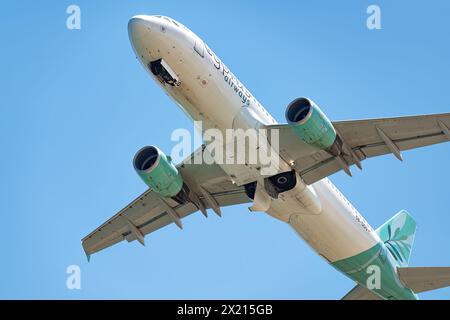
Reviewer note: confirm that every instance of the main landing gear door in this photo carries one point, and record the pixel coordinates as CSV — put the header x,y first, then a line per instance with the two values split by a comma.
x,y
262,200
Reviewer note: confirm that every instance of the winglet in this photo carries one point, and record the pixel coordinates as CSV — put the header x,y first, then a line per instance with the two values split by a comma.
x,y
88,255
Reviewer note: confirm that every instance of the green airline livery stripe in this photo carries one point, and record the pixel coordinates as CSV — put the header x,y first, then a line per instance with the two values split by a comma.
x,y
375,269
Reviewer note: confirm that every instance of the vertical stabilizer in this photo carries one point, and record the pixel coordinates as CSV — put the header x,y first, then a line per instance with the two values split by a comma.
x,y
398,235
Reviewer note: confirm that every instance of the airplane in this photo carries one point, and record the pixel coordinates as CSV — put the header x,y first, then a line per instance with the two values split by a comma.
x,y
297,189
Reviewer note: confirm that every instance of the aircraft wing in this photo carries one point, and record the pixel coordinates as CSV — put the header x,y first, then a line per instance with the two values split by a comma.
x,y
362,139
147,213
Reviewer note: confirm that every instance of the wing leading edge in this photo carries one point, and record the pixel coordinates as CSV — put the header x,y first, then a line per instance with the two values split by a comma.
x,y
363,139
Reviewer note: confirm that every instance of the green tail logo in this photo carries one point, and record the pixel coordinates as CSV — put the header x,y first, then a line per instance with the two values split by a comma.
x,y
398,236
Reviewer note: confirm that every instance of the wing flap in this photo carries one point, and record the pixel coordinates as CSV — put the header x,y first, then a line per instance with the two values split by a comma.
x,y
148,215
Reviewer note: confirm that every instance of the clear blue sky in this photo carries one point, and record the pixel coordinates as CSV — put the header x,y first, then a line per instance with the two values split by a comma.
x,y
76,106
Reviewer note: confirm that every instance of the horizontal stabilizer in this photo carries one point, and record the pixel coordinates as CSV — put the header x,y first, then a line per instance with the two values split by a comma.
x,y
361,293
420,279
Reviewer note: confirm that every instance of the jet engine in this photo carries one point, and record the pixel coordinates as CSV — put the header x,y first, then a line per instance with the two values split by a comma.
x,y
311,125
158,172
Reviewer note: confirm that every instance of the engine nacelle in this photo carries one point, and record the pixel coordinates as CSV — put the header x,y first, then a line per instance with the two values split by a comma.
x,y
158,172
311,125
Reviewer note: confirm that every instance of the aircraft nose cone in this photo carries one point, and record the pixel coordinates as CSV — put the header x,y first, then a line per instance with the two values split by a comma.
x,y
137,28
142,31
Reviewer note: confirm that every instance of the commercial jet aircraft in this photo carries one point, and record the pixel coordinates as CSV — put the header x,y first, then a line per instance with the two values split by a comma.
x,y
309,148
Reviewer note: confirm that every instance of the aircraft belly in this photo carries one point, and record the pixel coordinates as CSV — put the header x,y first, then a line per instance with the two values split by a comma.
x,y
335,233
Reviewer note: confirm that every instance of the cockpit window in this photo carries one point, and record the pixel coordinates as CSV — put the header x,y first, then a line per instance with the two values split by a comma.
x,y
173,21
170,20
199,47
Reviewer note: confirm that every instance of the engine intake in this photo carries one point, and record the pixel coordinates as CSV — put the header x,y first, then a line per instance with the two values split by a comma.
x,y
158,172
311,125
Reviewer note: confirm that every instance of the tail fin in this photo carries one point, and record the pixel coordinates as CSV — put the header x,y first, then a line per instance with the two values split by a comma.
x,y
422,279
398,235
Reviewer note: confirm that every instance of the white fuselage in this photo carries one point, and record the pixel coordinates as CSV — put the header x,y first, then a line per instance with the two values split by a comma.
x,y
209,92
